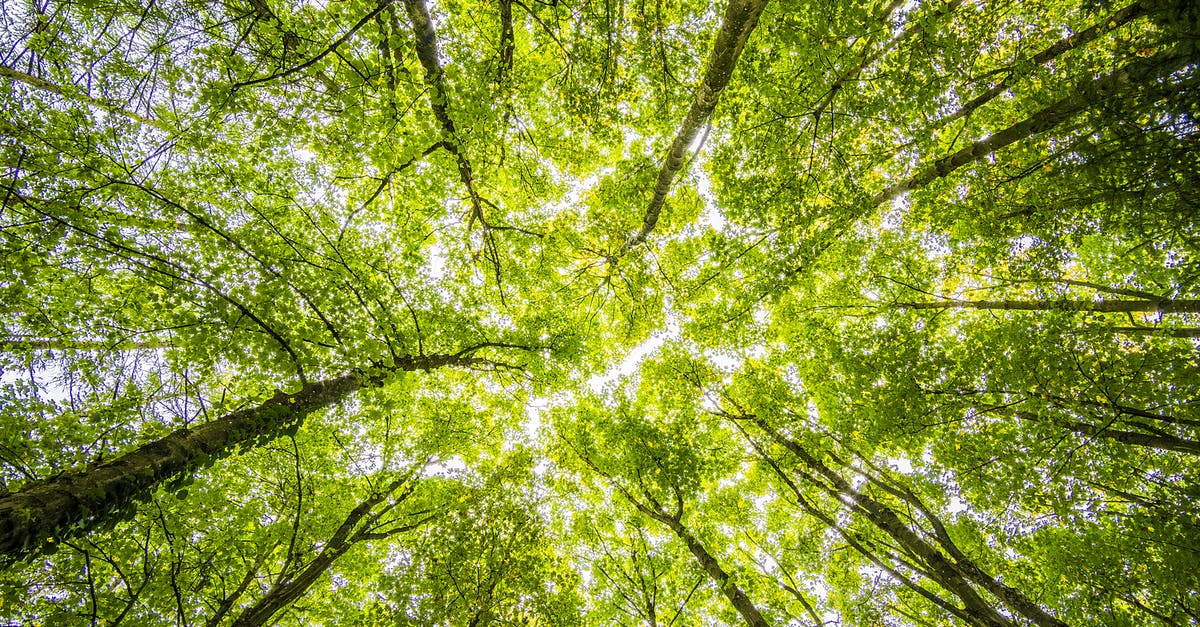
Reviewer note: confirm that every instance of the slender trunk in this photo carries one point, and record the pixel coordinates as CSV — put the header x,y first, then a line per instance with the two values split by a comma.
x,y
974,610
1143,72
1184,332
1108,306
737,597
1060,47
355,528
227,602
66,504
427,53
68,211
506,43
72,94
1163,442
29,343
652,508
951,574
741,16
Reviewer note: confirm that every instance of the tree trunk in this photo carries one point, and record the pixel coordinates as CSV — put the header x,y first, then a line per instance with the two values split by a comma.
x,y
64,504
950,574
1185,332
74,95
1140,72
427,53
1059,47
1164,442
652,508
741,16
1108,306
352,530
973,613
735,594
48,509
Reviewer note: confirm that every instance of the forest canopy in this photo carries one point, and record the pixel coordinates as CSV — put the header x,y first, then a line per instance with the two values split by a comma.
x,y
600,312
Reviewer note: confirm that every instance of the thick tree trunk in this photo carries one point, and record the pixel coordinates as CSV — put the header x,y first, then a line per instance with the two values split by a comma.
x,y
64,505
1109,306
30,343
61,505
741,16
1143,72
1159,331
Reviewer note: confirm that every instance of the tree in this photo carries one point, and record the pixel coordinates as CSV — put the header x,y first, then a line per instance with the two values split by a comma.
x,y
571,311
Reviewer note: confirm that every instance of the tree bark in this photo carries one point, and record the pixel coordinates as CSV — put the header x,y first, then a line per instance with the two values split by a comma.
x,y
427,53
952,574
1141,72
741,16
62,506
737,597
1159,331
355,528
1109,306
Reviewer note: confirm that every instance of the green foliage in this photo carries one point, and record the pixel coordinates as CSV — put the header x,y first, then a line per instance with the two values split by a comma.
x,y
927,290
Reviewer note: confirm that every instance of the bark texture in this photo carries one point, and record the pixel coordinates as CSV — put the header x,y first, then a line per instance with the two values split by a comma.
x,y
60,505
741,16
1109,306
428,54
66,504
1143,72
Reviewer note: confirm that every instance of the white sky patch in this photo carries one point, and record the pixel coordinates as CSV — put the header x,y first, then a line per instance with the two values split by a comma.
x,y
631,136
725,361
901,465
935,246
575,194
893,220
536,406
712,214
1023,243
639,353
435,260
957,506
449,467
631,361
791,376
47,377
